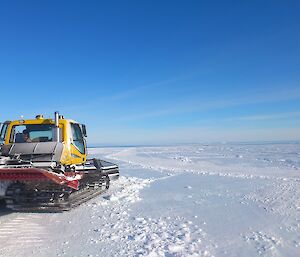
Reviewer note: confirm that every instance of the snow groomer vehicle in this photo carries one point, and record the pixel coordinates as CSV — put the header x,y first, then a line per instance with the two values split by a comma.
x,y
44,165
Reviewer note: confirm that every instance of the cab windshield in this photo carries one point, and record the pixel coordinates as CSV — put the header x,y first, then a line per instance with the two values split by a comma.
x,y
32,133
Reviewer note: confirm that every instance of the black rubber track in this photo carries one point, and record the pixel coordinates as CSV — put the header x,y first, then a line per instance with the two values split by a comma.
x,y
52,198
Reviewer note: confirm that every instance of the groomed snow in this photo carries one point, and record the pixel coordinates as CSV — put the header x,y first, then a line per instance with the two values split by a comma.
x,y
190,200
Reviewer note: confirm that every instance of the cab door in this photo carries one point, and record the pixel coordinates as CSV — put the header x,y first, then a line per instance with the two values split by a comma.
x,y
78,146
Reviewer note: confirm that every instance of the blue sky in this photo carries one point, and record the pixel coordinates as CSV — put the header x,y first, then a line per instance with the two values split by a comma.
x,y
151,72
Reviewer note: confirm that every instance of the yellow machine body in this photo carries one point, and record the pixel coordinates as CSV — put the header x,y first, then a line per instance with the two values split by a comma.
x,y
71,153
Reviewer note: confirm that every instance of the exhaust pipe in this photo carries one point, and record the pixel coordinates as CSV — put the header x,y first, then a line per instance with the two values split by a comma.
x,y
56,118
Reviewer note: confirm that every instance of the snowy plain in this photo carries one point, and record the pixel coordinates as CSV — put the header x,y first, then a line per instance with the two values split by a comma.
x,y
187,200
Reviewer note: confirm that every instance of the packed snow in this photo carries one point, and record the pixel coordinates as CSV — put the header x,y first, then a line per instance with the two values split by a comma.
x,y
187,200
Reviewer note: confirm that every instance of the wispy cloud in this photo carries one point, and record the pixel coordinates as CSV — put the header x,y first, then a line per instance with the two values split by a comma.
x,y
133,92
202,105
275,116
155,85
139,89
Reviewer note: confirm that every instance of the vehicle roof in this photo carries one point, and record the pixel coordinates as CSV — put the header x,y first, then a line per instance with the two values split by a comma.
x,y
40,121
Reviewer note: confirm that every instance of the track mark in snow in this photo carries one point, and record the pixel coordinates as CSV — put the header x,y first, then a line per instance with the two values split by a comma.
x,y
233,161
141,236
281,197
264,243
22,232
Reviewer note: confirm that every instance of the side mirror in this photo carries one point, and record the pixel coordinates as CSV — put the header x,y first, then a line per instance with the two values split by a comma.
x,y
83,128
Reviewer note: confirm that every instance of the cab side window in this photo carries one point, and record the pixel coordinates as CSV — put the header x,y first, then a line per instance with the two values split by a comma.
x,y
78,140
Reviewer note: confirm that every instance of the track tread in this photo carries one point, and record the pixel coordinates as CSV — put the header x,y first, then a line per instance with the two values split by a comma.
x,y
66,201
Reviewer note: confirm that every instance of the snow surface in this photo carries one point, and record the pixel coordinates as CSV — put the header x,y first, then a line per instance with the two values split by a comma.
x,y
190,200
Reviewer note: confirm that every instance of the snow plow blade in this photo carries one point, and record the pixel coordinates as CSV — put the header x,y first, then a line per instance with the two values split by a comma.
x,y
36,174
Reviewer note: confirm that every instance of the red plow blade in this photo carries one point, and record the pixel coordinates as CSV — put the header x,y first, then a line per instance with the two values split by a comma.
x,y
70,179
